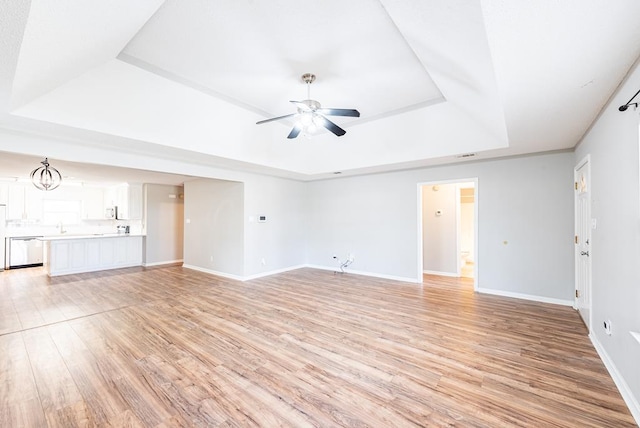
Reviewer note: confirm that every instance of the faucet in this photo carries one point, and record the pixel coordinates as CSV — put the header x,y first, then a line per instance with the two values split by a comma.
x,y
61,227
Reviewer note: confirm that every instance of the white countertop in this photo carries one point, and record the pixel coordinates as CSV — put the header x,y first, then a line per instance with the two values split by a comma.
x,y
88,236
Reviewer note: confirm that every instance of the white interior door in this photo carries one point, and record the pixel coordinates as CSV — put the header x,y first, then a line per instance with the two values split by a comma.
x,y
583,240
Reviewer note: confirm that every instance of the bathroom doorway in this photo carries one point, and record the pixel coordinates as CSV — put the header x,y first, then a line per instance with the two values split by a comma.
x,y
467,228
448,228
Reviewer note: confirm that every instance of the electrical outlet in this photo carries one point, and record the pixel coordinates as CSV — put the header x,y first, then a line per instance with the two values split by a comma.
x,y
607,327
263,262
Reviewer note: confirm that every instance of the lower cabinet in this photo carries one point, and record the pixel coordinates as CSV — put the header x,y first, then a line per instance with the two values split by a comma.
x,y
68,256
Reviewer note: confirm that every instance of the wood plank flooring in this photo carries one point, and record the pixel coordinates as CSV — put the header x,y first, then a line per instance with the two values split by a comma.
x,y
171,347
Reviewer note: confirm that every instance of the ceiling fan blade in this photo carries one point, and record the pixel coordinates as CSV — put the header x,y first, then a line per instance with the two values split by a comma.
x,y
339,112
301,105
295,131
330,126
275,118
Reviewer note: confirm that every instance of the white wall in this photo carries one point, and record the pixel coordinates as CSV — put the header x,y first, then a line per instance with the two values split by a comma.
x,y
440,229
372,217
526,202
280,242
224,224
612,143
164,220
214,227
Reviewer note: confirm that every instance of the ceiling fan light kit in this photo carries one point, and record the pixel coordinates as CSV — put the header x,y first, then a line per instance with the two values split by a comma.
x,y
310,115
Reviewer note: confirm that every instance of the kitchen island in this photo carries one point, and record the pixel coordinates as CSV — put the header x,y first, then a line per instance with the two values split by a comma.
x,y
67,254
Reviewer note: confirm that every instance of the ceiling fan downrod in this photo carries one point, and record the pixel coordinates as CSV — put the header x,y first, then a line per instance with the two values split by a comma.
x,y
308,78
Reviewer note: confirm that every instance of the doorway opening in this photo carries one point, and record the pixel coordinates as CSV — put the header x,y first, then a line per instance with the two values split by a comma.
x,y
467,226
448,229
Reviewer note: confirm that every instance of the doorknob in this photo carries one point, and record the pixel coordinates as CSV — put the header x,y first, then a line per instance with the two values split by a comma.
x,y
584,253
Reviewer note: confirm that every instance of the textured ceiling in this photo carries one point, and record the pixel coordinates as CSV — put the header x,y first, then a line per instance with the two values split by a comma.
x,y
433,79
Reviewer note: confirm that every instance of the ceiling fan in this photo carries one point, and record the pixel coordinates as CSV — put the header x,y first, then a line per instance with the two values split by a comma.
x,y
310,114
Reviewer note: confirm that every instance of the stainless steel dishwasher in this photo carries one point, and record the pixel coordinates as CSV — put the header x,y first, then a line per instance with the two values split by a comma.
x,y
25,251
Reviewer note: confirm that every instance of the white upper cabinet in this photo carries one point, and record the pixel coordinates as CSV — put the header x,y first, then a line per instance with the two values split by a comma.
x,y
135,201
122,201
16,202
4,190
33,202
24,202
129,201
93,207
110,197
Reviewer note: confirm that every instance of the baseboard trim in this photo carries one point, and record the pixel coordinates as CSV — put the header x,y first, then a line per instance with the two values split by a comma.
x,y
214,272
435,272
625,391
168,262
526,296
371,274
290,268
272,272
243,278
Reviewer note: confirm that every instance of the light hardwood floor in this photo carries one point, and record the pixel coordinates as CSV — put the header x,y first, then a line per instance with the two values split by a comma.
x,y
174,347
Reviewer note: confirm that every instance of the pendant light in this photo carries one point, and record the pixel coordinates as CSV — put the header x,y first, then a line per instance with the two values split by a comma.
x,y
46,177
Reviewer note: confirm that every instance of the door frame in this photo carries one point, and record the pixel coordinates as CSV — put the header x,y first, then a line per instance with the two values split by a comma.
x,y
476,202
584,161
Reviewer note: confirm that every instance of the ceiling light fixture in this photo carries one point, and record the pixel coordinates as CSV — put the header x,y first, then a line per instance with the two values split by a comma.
x,y
311,116
46,177
307,121
626,106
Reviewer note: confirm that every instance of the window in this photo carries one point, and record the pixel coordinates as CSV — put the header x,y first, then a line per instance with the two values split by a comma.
x,y
65,212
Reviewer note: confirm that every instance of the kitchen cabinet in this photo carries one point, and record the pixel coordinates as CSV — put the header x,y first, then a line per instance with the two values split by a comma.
x,y
4,190
128,199
67,255
24,202
34,205
110,197
93,207
136,202
122,201
128,251
15,202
